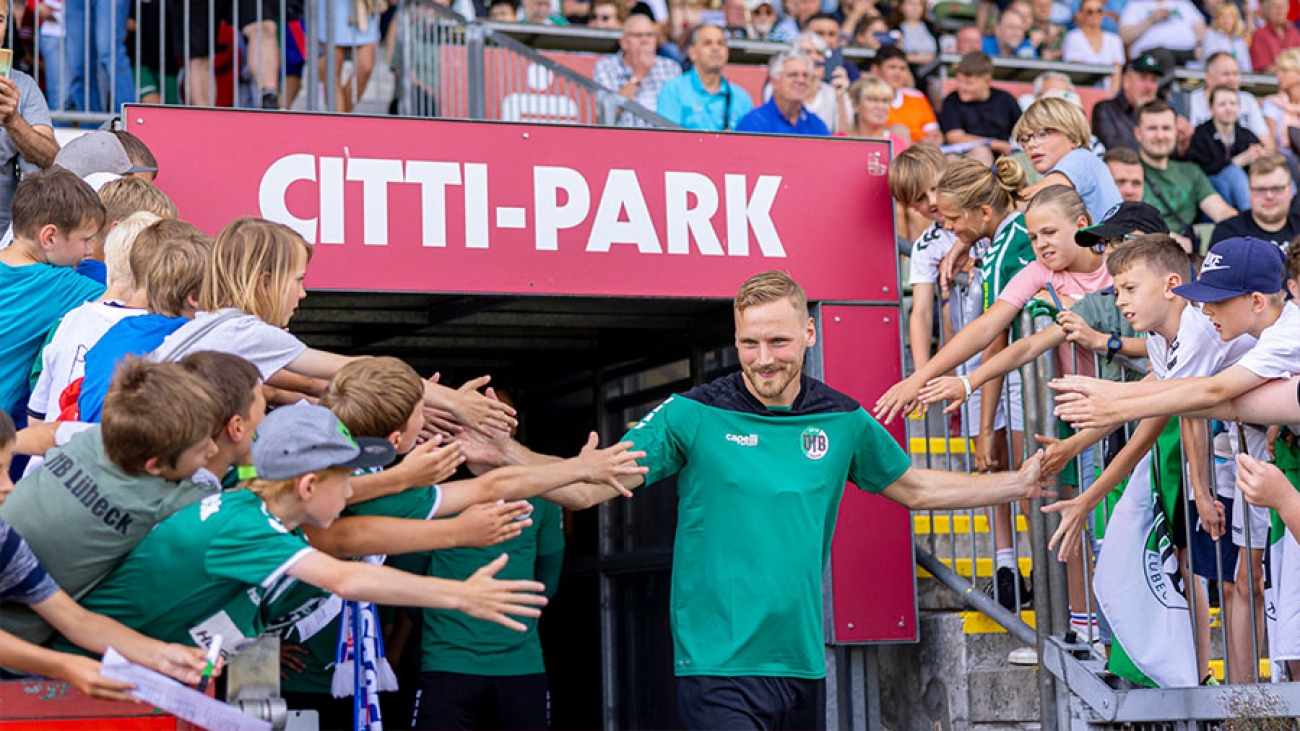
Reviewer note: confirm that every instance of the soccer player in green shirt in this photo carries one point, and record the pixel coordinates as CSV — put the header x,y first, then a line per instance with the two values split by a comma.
x,y
761,459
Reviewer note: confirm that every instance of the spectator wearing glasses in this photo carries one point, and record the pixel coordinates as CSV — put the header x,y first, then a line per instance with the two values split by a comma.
x,y
978,113
1055,136
1272,215
829,100
703,98
607,15
871,98
636,72
792,76
762,20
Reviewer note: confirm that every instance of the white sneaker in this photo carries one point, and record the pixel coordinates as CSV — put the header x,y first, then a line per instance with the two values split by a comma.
x,y
1023,656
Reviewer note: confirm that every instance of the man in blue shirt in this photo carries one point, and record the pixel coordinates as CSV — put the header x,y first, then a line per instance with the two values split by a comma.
x,y
792,78
702,98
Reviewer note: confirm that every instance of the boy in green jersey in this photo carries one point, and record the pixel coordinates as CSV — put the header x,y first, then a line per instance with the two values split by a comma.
x,y
182,581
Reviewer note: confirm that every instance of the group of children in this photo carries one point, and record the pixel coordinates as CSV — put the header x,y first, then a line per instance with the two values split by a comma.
x,y
198,472
1138,339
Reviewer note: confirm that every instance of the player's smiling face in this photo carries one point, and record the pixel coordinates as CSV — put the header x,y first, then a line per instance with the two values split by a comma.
x,y
771,340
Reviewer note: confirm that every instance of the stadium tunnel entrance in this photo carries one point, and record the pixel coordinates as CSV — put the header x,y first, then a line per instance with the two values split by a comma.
x,y
571,365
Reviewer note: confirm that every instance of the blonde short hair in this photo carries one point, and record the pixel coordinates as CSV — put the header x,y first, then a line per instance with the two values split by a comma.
x,y
374,397
126,195
867,84
771,286
1058,114
117,247
914,170
1288,59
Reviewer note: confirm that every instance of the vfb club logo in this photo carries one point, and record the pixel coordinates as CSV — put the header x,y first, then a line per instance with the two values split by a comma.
x,y
815,443
1160,565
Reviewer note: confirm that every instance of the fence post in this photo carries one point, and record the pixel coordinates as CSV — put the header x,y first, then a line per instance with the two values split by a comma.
x,y
475,75
1037,406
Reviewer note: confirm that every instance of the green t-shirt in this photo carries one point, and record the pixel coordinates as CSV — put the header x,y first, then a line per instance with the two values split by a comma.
x,y
1009,252
1183,185
453,642
758,495
82,515
186,580
309,617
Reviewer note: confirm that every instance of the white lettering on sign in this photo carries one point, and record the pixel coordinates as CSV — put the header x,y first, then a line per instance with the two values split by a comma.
x,y
562,200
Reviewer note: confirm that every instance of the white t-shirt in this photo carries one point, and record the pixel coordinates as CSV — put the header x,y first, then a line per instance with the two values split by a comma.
x,y
1076,49
930,248
1177,32
1250,115
1277,352
1198,351
64,358
230,331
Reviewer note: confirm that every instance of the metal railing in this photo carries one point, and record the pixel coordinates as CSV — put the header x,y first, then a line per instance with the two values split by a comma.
x,y
453,68
1077,691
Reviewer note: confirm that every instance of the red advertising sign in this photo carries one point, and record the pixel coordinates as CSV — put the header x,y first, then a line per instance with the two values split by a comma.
x,y
447,206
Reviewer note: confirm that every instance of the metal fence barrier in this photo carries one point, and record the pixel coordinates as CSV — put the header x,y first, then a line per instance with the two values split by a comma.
x,y
958,548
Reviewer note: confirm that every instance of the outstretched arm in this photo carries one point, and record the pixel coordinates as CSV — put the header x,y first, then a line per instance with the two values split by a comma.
x,y
1074,512
369,535
1090,402
966,343
1022,351
96,632
920,489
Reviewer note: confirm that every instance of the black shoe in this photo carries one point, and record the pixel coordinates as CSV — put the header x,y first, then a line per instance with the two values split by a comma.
x,y
1006,589
270,99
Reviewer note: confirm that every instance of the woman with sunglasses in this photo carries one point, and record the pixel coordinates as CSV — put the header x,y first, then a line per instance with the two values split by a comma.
x,y
1089,43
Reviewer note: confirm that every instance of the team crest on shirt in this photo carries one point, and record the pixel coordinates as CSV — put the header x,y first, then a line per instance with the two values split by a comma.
x,y
815,443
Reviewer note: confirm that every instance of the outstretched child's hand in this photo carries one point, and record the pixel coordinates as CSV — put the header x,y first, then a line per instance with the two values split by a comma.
x,y
483,597
604,466
430,463
900,398
477,411
487,524
1087,402
944,388
1077,331
1074,516
1056,454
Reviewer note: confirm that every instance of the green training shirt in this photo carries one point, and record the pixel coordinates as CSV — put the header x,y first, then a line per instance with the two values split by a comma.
x,y
453,642
758,495
182,582
309,616
1009,252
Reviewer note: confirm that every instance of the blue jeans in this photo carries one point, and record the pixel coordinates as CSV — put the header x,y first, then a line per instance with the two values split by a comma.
x,y
98,66
55,63
1232,184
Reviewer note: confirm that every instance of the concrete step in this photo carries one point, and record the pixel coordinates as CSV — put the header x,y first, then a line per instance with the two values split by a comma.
x,y
1003,694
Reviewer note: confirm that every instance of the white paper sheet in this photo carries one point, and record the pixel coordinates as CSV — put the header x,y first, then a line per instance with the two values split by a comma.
x,y
178,699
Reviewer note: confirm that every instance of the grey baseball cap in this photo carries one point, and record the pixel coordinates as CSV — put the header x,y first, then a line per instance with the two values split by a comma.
x,y
97,152
301,438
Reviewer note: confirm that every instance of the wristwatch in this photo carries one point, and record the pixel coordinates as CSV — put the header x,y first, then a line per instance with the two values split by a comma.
x,y
1113,344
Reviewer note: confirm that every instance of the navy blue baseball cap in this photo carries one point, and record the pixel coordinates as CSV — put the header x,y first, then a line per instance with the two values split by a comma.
x,y
1235,267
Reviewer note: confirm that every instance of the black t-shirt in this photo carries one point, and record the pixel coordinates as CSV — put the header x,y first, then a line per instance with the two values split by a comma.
x,y
1243,225
993,118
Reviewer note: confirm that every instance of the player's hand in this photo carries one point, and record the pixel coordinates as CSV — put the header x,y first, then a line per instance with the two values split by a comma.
x,y
83,674
604,466
429,463
899,399
1263,484
483,597
1033,480
488,524
1087,402
943,388
1074,517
